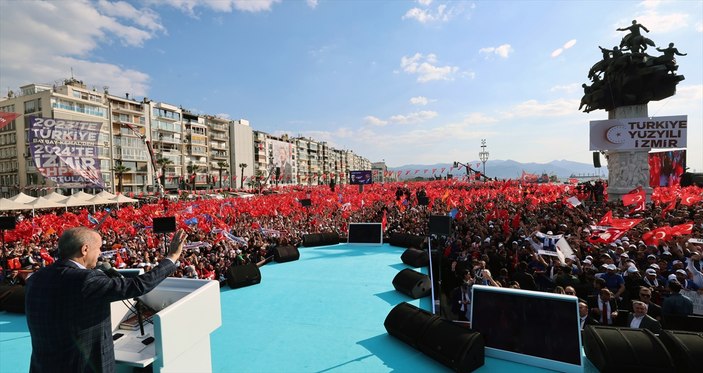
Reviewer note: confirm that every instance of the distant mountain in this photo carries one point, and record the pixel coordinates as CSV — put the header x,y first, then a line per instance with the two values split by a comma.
x,y
508,169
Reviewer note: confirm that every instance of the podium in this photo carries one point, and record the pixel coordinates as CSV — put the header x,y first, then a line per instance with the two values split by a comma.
x,y
188,311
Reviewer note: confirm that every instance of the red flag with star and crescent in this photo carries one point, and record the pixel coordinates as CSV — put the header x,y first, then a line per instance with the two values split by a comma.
x,y
657,235
6,118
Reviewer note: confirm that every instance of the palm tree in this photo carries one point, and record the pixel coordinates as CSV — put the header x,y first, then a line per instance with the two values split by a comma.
x,y
192,169
120,170
223,165
163,163
241,182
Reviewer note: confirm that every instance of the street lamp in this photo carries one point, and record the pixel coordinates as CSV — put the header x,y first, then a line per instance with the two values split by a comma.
x,y
483,156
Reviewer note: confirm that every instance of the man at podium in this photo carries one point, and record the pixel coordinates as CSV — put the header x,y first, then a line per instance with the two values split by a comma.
x,y
68,304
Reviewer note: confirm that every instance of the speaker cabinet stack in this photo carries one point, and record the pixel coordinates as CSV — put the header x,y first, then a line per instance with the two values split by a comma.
x,y
613,349
461,349
282,254
412,283
243,275
415,258
686,348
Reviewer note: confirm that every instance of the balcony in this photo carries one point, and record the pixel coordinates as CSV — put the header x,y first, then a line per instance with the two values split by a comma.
x,y
219,127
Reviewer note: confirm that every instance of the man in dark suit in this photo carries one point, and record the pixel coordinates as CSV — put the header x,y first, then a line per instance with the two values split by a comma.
x,y
653,309
676,303
584,317
639,318
604,307
68,304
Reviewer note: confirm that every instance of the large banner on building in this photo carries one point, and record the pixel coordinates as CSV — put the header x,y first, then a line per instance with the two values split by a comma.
x,y
666,168
283,158
639,133
66,151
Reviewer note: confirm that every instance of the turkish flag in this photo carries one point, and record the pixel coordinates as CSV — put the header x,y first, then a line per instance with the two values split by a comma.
x,y
625,224
668,207
682,229
655,236
606,236
690,199
636,197
6,118
606,219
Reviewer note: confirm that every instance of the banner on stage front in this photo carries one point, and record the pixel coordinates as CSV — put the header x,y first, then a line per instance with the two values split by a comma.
x,y
697,300
639,133
66,151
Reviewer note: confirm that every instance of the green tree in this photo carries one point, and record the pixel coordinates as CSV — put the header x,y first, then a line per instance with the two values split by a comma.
x,y
241,180
222,165
120,170
163,164
192,169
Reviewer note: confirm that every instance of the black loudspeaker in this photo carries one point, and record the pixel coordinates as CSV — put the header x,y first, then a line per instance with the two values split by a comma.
x,y
306,202
282,254
441,225
320,239
690,323
613,349
12,298
7,222
406,240
164,225
243,275
407,323
686,348
453,345
596,159
412,283
415,258
450,344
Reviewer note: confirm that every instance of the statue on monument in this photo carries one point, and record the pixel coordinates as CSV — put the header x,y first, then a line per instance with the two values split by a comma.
x,y
635,42
633,77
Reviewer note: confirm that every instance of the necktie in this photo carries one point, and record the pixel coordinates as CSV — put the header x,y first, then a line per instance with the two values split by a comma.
x,y
605,313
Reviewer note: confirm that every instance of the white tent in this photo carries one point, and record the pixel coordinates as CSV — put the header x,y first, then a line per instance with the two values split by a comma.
x,y
98,200
56,197
105,194
43,203
7,205
121,198
22,198
82,195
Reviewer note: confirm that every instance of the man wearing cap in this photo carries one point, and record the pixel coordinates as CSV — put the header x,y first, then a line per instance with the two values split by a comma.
x,y
676,303
682,278
639,319
613,280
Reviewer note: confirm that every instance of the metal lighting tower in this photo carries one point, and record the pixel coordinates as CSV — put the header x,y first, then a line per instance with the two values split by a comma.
x,y
483,156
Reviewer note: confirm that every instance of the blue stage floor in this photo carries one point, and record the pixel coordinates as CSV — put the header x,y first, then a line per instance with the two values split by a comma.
x,y
322,313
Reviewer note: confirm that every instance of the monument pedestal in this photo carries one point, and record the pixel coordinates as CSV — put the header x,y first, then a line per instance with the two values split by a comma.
x,y
627,169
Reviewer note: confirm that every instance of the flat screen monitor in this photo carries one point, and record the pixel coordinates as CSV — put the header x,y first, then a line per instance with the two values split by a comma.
x,y
529,327
360,177
165,225
366,233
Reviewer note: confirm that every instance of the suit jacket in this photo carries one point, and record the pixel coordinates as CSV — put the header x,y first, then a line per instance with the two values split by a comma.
x,y
647,322
592,302
68,314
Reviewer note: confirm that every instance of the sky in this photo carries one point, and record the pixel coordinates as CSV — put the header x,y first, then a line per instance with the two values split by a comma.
x,y
405,82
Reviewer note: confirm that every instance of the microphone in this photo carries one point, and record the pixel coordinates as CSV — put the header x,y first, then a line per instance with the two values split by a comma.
x,y
109,270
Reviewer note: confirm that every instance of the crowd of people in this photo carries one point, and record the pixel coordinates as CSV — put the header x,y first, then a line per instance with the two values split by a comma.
x,y
493,240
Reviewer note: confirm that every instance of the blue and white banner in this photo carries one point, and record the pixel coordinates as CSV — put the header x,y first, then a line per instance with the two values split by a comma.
x,y
66,151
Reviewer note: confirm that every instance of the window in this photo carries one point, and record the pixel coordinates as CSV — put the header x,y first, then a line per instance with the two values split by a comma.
x,y
32,106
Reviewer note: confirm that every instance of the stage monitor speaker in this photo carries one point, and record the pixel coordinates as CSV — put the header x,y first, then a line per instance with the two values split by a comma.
x,y
453,345
406,240
243,275
686,348
306,202
312,239
689,323
7,223
282,254
412,283
613,349
329,238
164,225
407,323
415,258
596,159
441,225
12,298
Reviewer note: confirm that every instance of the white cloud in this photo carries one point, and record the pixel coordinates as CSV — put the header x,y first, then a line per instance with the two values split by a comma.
x,y
440,13
419,100
699,27
479,118
425,69
227,6
374,121
312,3
569,88
64,46
416,117
557,52
502,51
569,43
